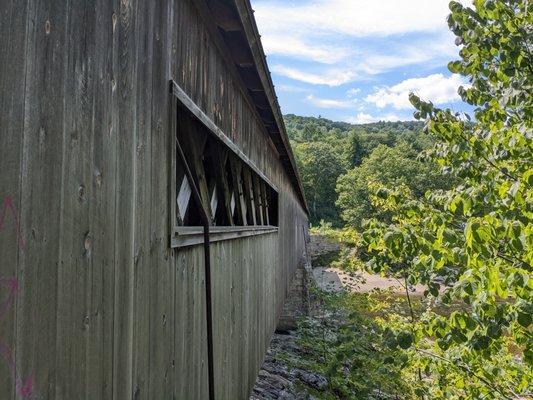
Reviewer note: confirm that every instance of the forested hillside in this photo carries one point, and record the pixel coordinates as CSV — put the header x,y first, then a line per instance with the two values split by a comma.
x,y
446,210
338,161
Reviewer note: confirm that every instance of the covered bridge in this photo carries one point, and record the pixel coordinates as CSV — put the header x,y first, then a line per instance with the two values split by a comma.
x,y
139,139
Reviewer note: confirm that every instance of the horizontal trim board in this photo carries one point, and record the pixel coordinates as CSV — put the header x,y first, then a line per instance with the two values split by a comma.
x,y
185,236
193,108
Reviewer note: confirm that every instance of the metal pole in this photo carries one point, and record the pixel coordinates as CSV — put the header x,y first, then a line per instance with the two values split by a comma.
x,y
207,262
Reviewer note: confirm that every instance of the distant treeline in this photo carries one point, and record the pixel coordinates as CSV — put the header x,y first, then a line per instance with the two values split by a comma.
x,y
338,161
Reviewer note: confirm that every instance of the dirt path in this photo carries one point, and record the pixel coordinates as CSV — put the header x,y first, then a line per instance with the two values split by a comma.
x,y
335,280
323,251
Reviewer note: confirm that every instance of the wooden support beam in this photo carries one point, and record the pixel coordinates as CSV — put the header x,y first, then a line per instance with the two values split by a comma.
x,y
249,196
212,182
238,190
256,182
220,158
193,235
265,203
173,158
193,140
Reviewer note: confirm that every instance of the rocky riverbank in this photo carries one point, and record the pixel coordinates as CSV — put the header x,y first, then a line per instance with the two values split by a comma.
x,y
278,378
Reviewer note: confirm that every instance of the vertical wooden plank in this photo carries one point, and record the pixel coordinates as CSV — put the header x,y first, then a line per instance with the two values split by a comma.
x,y
201,340
230,260
218,330
232,366
179,190
174,179
217,325
199,327
222,286
191,363
35,366
239,371
144,25
13,30
180,325
246,311
75,267
196,294
162,357
191,40
258,284
199,353
192,351
99,349
125,204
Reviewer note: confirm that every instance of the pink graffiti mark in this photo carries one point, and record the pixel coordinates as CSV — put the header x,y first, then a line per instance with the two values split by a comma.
x,y
13,286
9,206
23,388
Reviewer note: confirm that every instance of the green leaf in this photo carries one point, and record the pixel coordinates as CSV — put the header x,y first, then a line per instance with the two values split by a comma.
x,y
405,340
524,319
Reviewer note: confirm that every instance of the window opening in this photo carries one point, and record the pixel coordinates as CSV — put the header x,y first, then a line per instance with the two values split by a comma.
x,y
232,192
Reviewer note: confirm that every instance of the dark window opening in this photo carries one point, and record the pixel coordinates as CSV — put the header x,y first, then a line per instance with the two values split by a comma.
x,y
232,192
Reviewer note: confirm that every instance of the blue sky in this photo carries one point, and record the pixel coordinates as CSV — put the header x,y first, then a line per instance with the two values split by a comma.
x,y
357,60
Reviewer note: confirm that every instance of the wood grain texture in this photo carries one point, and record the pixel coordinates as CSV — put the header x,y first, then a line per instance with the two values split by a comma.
x,y
125,212
98,304
41,201
99,346
162,315
144,37
76,240
13,240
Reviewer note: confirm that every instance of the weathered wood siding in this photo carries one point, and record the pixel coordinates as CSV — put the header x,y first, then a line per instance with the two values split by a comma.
x,y
93,302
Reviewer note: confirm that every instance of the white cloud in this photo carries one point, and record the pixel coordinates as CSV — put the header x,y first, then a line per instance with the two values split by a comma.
x,y
329,103
291,89
430,51
297,48
364,64
355,38
358,18
437,88
353,92
332,77
363,118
